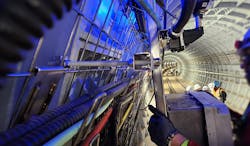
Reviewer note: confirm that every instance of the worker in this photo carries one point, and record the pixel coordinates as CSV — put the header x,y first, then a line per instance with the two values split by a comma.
x,y
211,87
163,132
197,87
188,88
243,50
219,92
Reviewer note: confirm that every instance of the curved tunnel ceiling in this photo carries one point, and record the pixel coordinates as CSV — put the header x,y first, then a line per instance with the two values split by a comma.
x,y
213,56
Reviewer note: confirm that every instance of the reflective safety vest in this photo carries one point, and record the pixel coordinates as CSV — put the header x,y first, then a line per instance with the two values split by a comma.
x,y
220,94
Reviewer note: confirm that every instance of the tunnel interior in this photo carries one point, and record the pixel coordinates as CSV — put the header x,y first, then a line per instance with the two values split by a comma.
x,y
89,54
213,56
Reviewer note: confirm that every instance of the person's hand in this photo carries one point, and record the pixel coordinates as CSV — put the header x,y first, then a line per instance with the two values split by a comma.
x,y
160,128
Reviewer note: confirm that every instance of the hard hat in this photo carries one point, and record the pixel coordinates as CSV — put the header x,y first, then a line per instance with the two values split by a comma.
x,y
216,84
210,86
188,88
205,88
197,87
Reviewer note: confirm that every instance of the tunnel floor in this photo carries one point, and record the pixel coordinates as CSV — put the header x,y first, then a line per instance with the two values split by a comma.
x,y
173,84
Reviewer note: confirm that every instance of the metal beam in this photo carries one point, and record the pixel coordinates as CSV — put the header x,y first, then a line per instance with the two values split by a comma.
x,y
112,63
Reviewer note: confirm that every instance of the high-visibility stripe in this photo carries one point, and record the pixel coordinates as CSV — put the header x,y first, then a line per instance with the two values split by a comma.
x,y
185,143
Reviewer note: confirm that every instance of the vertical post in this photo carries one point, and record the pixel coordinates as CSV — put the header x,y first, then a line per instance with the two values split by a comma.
x,y
198,22
160,100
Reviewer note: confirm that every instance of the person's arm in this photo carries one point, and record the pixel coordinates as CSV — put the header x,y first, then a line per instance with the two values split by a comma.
x,y
163,132
177,140
223,95
180,140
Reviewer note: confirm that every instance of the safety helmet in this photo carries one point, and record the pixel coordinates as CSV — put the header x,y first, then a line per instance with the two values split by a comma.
x,y
205,88
216,84
197,87
188,88
211,86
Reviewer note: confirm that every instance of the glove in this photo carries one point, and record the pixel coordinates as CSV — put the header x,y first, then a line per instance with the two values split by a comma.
x,y
160,128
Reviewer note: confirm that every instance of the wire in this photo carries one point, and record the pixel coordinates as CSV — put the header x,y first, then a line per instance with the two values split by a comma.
x,y
98,128
170,14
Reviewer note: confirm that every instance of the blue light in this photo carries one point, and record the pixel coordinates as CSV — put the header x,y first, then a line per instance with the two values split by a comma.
x,y
132,16
103,11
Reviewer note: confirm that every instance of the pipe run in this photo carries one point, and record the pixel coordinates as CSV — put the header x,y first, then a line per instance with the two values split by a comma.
x,y
69,133
146,6
198,22
187,10
98,128
125,116
59,117
95,63
163,7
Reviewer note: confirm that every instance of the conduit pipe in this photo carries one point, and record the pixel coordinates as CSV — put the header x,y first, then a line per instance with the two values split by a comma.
x,y
48,116
140,18
96,63
69,133
98,127
36,127
187,10
125,116
66,135
163,7
146,6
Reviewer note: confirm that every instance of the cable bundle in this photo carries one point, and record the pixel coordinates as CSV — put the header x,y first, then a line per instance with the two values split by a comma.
x,y
22,20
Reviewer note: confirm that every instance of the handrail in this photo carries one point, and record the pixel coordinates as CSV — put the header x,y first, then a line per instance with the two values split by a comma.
x,y
111,63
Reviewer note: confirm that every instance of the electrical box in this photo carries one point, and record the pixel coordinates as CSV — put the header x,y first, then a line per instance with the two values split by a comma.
x,y
201,118
173,44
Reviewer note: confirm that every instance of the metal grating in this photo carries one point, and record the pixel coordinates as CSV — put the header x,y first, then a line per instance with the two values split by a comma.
x,y
237,14
210,13
244,6
240,23
210,18
222,12
227,20
226,4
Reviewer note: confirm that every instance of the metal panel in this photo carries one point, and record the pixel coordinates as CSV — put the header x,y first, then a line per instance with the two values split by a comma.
x,y
217,118
187,116
207,120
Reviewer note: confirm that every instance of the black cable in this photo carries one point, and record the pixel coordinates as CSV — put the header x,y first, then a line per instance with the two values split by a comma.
x,y
22,20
